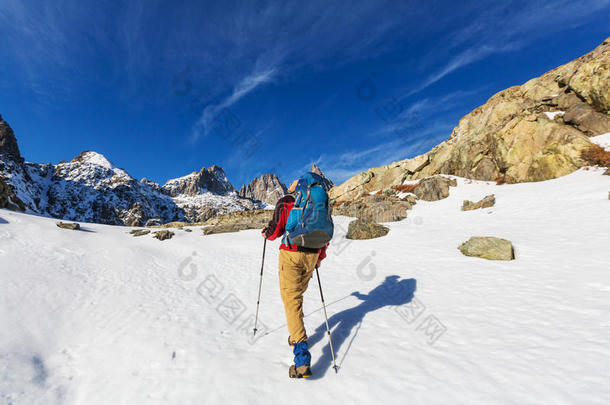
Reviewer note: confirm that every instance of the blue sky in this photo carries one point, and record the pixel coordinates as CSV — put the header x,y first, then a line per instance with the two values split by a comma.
x,y
163,88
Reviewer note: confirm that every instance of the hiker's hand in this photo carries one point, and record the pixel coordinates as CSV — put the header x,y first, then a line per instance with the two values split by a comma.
x,y
264,233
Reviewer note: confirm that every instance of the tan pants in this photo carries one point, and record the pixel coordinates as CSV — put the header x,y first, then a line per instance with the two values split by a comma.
x,y
296,269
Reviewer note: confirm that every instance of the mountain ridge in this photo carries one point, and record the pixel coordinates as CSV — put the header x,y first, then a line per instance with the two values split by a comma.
x,y
532,132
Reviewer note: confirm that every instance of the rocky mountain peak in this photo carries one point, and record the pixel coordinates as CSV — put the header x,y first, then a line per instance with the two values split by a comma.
x,y
328,184
94,158
212,179
8,142
267,189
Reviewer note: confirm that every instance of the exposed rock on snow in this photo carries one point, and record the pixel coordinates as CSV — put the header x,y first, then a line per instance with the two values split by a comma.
x,y
266,189
163,235
434,188
376,208
227,228
238,221
510,136
361,229
68,225
488,247
486,202
139,232
257,218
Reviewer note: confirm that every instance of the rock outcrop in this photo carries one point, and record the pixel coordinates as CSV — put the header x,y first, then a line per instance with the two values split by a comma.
x,y
226,228
375,208
434,188
163,235
486,202
258,218
139,232
360,229
533,132
238,221
266,189
8,199
8,142
488,247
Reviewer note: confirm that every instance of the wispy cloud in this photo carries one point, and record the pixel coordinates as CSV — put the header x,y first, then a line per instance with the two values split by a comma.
x,y
504,27
245,86
464,58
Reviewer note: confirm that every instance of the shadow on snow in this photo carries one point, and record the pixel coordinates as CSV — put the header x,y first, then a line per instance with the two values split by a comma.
x,y
391,292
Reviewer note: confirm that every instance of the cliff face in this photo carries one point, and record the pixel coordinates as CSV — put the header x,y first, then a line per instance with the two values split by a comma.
x,y
533,132
8,143
212,179
266,189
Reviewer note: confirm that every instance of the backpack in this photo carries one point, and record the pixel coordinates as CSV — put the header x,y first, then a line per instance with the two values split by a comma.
x,y
309,223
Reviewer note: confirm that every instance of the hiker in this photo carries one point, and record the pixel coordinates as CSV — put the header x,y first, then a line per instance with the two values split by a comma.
x,y
303,219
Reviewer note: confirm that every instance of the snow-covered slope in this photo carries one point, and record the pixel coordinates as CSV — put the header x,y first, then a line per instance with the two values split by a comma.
x,y
101,317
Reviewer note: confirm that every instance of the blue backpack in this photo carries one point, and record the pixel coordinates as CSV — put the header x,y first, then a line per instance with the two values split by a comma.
x,y
310,223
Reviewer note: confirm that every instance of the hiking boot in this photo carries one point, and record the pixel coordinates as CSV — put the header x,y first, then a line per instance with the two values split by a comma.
x,y
301,354
299,372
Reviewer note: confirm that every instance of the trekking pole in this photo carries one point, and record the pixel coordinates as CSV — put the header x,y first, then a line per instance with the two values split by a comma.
x,y
260,283
332,351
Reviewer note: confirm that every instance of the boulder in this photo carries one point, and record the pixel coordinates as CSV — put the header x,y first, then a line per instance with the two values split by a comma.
x,y
587,120
488,247
255,218
486,202
434,188
375,208
361,229
163,235
68,225
227,228
139,232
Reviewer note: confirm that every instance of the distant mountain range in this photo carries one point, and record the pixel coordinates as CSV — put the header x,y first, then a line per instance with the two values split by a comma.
x,y
90,188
